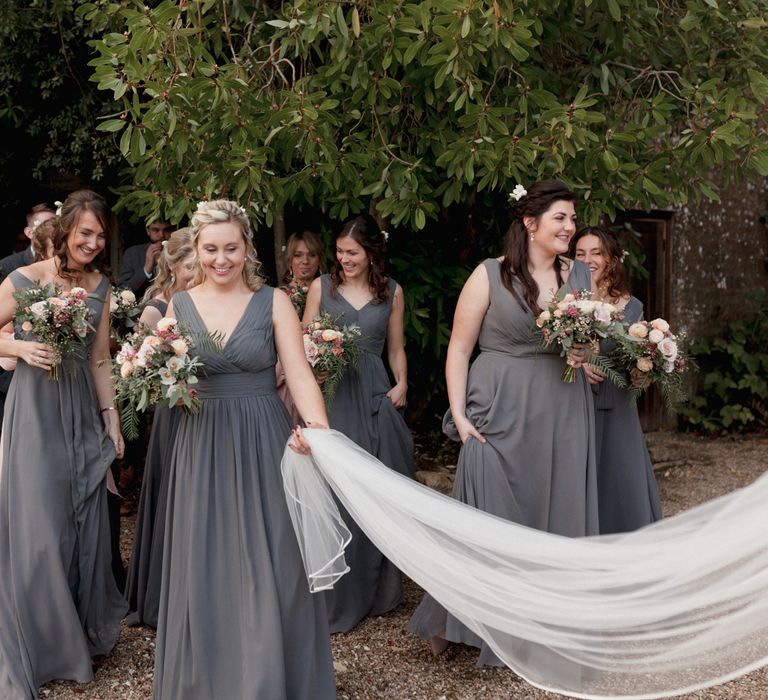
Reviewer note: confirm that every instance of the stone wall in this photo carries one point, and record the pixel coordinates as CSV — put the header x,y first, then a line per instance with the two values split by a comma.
x,y
719,255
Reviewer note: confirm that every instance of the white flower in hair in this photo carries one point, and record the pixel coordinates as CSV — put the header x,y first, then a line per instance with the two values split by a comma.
x,y
202,205
624,255
58,206
242,209
36,223
386,235
518,193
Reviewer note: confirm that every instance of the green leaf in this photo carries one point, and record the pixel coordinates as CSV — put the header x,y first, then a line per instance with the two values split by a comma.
x,y
111,125
759,84
614,9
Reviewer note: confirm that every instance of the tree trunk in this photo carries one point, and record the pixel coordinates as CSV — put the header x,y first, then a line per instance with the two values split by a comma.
x,y
278,230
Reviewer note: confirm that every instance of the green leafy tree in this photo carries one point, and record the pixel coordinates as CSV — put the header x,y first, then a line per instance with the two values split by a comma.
x,y
428,113
48,107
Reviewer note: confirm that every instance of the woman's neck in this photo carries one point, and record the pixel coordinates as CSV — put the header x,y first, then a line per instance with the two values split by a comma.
x,y
216,289
356,283
539,260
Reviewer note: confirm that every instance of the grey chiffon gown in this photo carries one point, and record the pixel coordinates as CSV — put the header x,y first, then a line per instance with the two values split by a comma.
x,y
537,467
628,497
362,411
59,604
237,620
142,588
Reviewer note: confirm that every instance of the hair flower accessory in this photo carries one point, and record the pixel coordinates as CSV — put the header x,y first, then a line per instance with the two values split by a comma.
x,y
242,209
36,223
386,235
202,205
624,256
518,193
58,206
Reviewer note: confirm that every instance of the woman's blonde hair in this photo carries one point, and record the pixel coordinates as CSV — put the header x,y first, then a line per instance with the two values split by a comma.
x,y
220,211
42,234
175,250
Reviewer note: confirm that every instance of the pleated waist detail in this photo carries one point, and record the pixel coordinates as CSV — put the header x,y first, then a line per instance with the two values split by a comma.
x,y
237,385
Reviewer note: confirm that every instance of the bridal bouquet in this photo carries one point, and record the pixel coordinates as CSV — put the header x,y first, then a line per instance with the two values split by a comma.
x,y
124,312
331,350
298,296
574,319
151,366
652,354
56,317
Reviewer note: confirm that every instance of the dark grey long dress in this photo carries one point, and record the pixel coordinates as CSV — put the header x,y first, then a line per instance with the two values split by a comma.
x,y
363,412
628,497
142,589
537,467
236,619
59,604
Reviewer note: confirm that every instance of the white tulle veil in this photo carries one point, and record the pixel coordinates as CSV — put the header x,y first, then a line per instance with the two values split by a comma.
x,y
669,609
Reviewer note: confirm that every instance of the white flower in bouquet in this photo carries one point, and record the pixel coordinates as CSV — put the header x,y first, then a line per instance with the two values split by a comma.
x,y
175,363
669,366
656,336
604,312
180,347
38,308
166,376
668,348
126,368
112,304
660,324
127,297
544,316
638,330
166,324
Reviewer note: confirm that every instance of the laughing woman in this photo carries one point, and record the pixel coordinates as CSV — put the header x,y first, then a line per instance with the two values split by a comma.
x,y
59,604
628,497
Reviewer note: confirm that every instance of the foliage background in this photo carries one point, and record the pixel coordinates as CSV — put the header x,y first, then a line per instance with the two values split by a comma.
x,y
426,113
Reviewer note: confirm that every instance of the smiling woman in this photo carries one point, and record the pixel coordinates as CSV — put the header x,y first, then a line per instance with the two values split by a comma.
x,y
366,407
59,604
230,557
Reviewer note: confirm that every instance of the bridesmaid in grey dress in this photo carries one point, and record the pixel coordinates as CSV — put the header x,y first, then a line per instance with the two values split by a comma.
x,y
175,269
528,437
59,604
628,497
366,407
236,618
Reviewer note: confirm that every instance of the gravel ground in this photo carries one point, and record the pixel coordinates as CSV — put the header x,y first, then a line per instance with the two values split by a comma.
x,y
380,660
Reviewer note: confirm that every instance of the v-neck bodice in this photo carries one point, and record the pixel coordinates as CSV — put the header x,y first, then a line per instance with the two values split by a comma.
x,y
247,358
372,317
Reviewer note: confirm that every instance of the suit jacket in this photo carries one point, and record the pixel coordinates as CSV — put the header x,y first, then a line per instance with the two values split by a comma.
x,y
131,272
15,261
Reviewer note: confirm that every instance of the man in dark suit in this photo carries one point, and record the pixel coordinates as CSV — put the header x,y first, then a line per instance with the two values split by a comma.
x,y
138,265
36,216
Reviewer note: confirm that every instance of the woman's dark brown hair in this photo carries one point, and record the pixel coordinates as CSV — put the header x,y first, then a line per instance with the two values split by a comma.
x,y
615,282
73,208
536,202
368,235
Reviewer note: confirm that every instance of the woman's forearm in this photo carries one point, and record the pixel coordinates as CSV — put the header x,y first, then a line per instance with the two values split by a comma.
x,y
398,363
456,371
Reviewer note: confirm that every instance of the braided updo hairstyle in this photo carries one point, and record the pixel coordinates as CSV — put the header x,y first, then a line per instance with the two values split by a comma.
x,y
540,197
366,232
175,250
71,211
219,211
